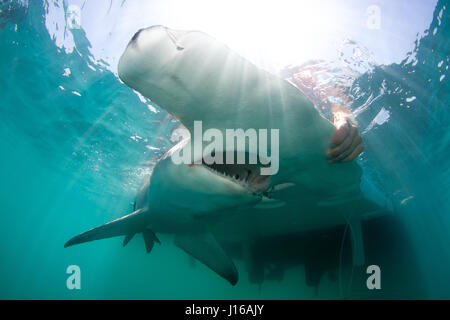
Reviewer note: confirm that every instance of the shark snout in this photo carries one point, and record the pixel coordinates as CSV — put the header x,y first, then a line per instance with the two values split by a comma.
x,y
136,36
148,56
158,31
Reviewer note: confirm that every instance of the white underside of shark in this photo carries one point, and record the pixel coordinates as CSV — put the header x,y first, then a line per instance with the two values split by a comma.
x,y
196,78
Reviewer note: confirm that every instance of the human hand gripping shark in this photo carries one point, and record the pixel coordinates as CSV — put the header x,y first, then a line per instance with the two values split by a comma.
x,y
196,78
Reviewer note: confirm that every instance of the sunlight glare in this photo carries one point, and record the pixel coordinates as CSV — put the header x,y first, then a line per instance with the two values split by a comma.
x,y
269,33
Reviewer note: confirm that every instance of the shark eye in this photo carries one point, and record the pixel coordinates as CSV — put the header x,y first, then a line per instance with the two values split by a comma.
x,y
236,176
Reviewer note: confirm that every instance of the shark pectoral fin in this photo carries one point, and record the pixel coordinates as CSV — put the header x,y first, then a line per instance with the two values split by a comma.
x,y
149,238
205,248
118,227
127,239
267,203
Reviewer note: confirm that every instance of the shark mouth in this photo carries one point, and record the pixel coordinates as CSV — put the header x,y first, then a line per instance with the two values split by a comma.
x,y
247,175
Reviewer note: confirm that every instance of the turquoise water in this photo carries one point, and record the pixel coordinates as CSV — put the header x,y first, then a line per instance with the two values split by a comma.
x,y
76,146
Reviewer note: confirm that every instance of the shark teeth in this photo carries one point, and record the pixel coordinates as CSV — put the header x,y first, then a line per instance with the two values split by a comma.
x,y
241,181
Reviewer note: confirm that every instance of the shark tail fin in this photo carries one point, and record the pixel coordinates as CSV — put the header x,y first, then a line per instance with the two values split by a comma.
x,y
122,226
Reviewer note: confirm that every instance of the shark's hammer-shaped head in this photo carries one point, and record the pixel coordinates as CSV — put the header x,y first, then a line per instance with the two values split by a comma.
x,y
153,64
186,73
149,56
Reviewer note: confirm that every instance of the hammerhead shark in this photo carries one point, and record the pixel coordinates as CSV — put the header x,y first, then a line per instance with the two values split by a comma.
x,y
195,77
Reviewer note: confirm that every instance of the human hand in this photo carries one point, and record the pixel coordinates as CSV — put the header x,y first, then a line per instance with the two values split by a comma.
x,y
345,144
